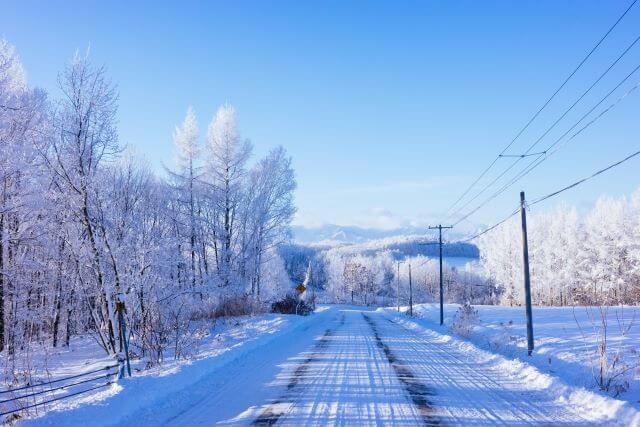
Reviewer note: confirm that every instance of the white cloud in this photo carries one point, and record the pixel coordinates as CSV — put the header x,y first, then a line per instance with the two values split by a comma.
x,y
385,219
399,186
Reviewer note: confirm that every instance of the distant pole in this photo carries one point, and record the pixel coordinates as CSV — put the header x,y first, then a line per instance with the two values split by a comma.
x,y
410,293
527,280
439,227
313,286
398,292
308,283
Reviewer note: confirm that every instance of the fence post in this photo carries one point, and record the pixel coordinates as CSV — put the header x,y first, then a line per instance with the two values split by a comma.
x,y
124,344
121,365
410,293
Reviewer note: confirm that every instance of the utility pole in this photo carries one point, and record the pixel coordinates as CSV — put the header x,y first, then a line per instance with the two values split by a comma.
x,y
398,291
527,280
439,227
410,293
313,286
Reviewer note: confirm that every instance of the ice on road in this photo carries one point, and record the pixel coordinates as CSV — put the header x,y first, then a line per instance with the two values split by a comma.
x,y
358,367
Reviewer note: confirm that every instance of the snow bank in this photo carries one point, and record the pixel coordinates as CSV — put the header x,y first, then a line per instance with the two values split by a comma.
x,y
560,363
228,343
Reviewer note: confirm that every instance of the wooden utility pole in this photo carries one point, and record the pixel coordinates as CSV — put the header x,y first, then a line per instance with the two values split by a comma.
x,y
398,282
410,293
439,227
527,280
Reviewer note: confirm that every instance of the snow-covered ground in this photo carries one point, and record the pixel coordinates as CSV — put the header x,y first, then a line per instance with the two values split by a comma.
x,y
348,366
566,341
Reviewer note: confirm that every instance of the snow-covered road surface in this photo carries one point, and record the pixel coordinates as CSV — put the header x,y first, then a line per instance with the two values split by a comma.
x,y
357,367
345,366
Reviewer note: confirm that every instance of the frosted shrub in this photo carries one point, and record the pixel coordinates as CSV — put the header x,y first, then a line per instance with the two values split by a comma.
x,y
465,319
206,310
233,306
612,363
292,305
504,338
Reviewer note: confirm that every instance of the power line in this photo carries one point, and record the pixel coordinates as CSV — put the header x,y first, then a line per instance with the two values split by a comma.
x,y
555,193
548,153
536,162
587,91
499,223
585,179
562,116
526,126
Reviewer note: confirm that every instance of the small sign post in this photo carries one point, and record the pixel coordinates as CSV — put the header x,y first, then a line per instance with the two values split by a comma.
x,y
300,289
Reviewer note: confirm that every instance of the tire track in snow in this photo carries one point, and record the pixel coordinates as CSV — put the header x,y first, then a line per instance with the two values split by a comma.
x,y
283,405
499,403
213,400
418,392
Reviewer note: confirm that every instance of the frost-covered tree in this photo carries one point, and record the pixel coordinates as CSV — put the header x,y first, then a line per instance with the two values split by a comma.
x,y
574,260
501,257
84,223
23,129
187,191
269,210
228,157
84,137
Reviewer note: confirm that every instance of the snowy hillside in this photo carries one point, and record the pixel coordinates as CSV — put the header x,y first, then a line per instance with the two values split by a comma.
x,y
340,234
369,272
410,245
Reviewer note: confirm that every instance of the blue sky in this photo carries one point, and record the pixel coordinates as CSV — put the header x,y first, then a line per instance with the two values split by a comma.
x,y
389,109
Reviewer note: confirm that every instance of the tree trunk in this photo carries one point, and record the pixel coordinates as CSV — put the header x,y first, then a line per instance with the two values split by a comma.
x,y
2,283
67,337
57,303
106,302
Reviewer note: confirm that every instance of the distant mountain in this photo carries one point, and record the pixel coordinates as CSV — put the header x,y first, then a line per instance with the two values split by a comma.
x,y
339,234
406,246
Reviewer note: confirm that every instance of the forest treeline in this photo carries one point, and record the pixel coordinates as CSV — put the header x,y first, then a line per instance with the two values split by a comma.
x,y
84,223
377,272
590,258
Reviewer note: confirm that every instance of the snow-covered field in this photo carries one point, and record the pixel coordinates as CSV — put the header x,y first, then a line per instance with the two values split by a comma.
x,y
484,388
566,340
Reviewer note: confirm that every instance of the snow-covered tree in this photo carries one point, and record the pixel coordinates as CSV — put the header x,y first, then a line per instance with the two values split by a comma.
x,y
268,211
573,260
228,157
23,130
84,223
187,190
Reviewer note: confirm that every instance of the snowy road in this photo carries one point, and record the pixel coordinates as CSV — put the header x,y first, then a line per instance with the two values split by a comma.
x,y
355,367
